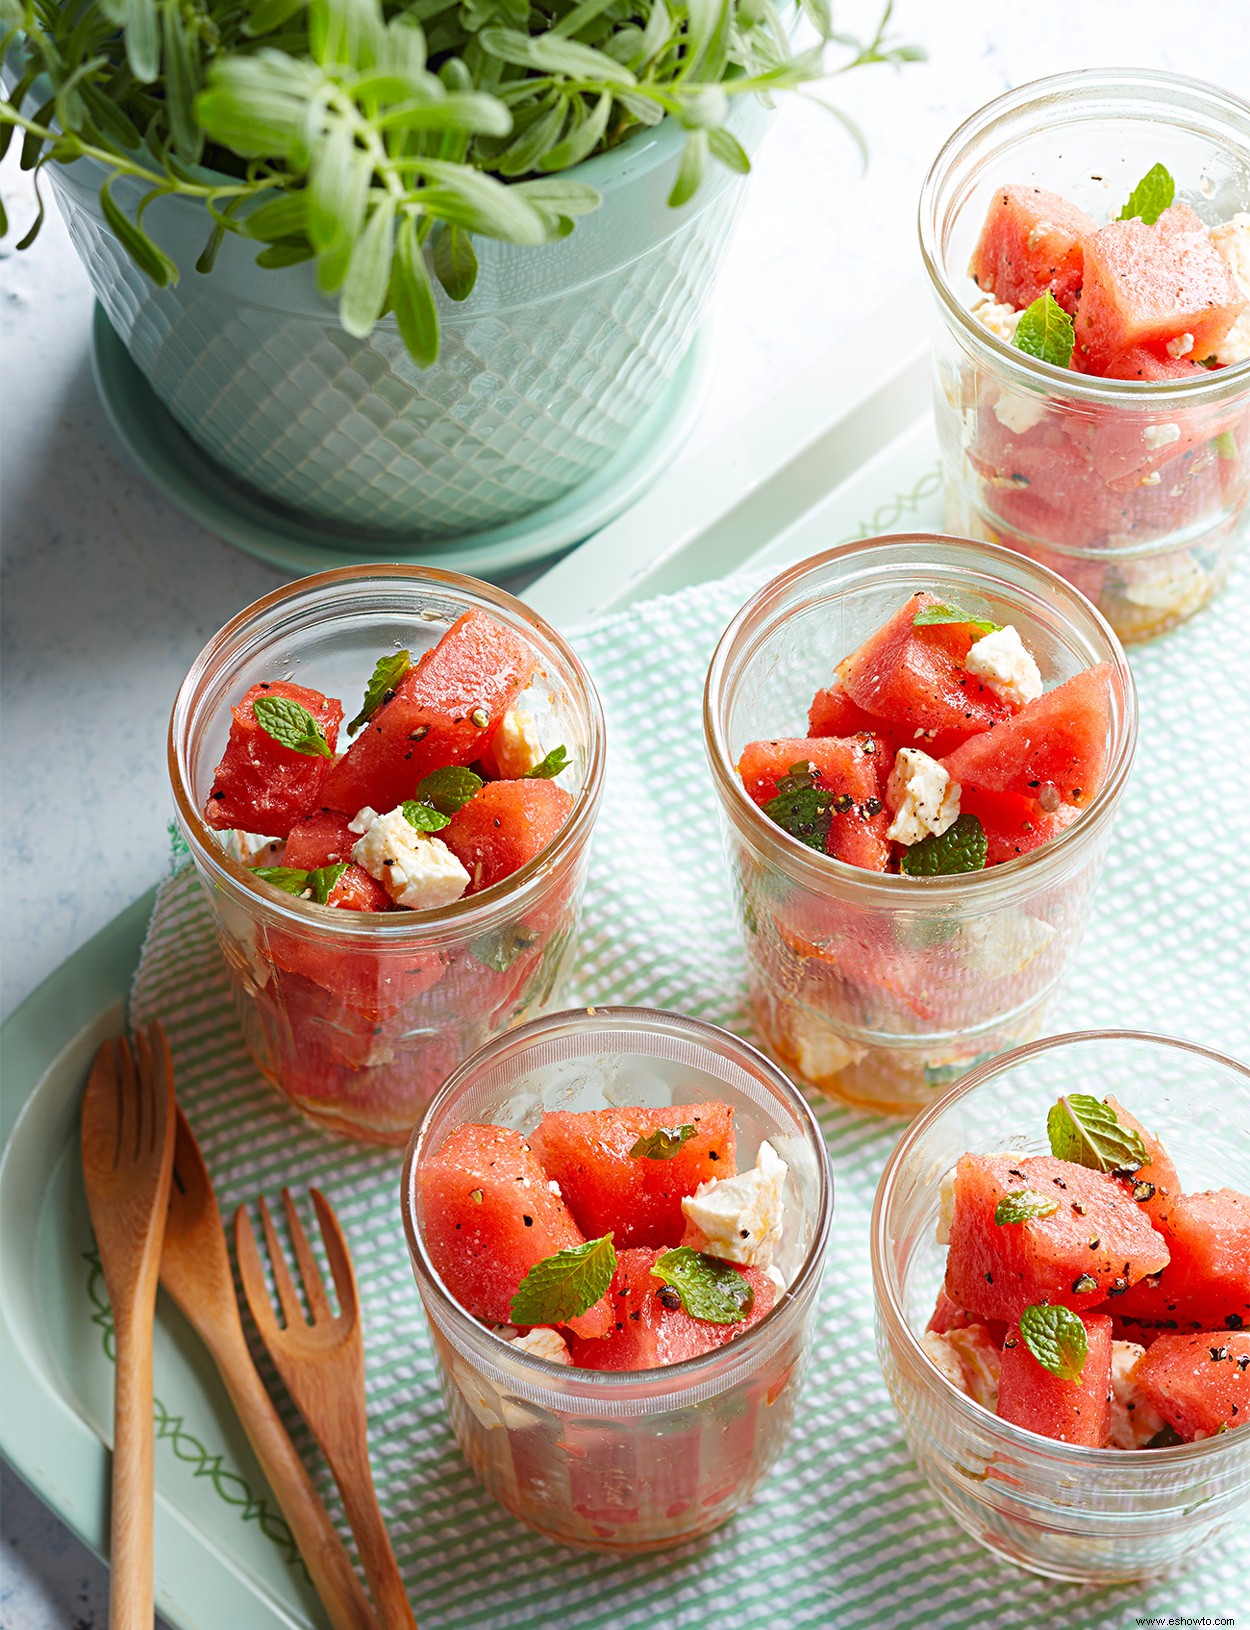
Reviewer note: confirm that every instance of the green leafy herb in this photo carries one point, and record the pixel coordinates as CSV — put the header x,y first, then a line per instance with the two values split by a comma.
x,y
1225,444
961,848
500,949
709,1289
290,879
450,789
424,816
1150,197
1023,1205
294,880
291,725
322,880
562,1286
1056,1338
663,1143
556,760
387,673
1085,1130
802,807
1045,331
947,613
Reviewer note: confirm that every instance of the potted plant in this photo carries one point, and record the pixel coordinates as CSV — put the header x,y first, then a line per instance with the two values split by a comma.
x,y
414,266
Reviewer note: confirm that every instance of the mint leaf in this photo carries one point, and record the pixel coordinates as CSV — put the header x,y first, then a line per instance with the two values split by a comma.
x,y
802,807
1085,1130
323,879
1225,444
710,1290
450,789
1056,1338
663,1143
562,1286
1023,1205
1150,197
499,950
556,760
387,673
1045,331
291,726
290,879
947,613
961,848
424,816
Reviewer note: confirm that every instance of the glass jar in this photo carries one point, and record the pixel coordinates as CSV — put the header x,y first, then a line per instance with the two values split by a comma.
x,y
1136,492
877,988
1095,1516
359,1017
627,1460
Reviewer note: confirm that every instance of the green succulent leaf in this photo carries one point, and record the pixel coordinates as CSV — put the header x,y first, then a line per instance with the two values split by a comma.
x,y
1057,1339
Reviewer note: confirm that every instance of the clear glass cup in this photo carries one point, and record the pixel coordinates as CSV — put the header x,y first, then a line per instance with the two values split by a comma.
x,y
359,1017
1136,492
634,1460
876,988
1096,1516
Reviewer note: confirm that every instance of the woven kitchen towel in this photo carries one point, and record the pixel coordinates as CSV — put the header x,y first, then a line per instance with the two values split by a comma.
x,y
844,1533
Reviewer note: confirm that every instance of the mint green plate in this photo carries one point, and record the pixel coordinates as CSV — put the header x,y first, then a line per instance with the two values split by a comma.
x,y
56,1377
300,543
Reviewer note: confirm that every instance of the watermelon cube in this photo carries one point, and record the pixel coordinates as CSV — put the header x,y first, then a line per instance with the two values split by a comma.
x,y
1031,242
488,1215
325,839
833,713
848,770
1076,1411
638,1200
1158,1174
915,679
1148,287
260,785
443,712
646,1332
1060,740
1206,1284
1013,825
1096,1244
1200,1384
505,826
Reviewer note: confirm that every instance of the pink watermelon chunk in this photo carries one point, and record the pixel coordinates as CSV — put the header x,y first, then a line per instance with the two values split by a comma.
x,y
849,770
1014,826
833,713
1159,1174
1077,1411
646,1333
1146,287
505,826
1206,1285
1031,242
1200,1384
1097,1240
946,1316
260,785
324,839
488,1215
1060,740
914,678
637,1200
479,667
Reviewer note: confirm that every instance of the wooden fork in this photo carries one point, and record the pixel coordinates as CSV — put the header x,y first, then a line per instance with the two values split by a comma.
x,y
127,1157
322,1364
195,1270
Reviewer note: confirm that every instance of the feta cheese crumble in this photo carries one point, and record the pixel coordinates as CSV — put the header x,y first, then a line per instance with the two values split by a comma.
x,y
740,1218
820,1052
1232,240
999,318
1003,661
997,946
417,871
517,745
1134,1421
1156,436
1181,346
1176,583
543,1342
969,1360
1019,413
921,796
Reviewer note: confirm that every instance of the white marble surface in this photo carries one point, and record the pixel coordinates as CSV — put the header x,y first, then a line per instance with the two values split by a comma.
x,y
109,591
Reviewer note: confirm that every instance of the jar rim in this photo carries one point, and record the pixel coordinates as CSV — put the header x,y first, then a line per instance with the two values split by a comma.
x,y
820,871
381,928
1039,93
889,1305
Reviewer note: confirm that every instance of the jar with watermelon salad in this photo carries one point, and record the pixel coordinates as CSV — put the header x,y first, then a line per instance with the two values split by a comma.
x,y
919,745
387,778
1061,1262
617,1220
1088,242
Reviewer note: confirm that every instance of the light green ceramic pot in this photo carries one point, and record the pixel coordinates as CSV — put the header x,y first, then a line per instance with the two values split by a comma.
x,y
543,371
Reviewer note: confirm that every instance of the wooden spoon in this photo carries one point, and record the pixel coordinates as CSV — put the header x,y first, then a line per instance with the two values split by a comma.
x,y
195,1270
127,1153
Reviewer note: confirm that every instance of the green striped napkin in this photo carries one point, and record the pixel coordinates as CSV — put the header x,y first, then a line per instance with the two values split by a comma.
x,y
845,1532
